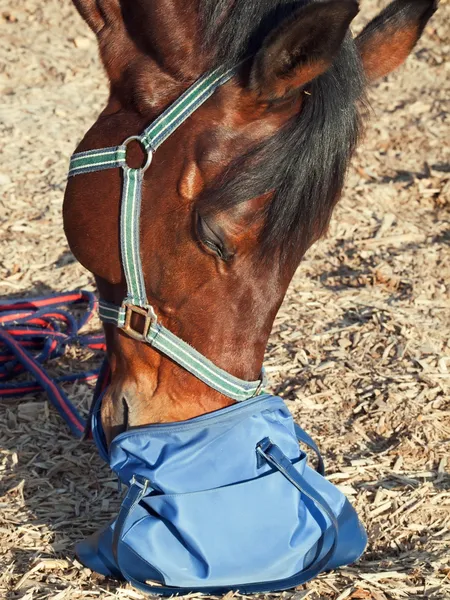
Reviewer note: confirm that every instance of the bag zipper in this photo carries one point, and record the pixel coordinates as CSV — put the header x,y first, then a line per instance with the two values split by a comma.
x,y
217,416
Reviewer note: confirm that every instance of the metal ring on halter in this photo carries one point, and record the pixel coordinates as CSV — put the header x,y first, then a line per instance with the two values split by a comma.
x,y
149,152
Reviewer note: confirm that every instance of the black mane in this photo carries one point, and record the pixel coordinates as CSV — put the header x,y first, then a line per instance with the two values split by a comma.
x,y
305,163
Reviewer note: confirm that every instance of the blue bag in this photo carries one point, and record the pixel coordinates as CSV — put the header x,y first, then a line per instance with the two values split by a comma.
x,y
225,501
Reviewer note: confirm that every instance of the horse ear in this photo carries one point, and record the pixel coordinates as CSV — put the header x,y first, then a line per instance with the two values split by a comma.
x,y
301,48
386,41
97,13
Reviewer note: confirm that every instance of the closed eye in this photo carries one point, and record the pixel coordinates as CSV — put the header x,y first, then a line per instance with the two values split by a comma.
x,y
211,240
214,247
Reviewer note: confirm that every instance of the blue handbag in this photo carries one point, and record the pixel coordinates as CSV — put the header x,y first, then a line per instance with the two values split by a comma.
x,y
225,501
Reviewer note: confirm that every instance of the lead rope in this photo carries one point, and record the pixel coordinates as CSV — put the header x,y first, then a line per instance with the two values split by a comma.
x,y
136,303
36,330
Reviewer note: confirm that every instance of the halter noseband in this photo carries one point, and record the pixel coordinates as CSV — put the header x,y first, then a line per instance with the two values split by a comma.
x,y
136,302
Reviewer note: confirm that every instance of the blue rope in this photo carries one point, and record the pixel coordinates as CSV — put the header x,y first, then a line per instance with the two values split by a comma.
x,y
36,330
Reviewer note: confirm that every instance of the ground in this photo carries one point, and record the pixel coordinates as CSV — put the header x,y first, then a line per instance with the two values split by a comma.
x,y
360,348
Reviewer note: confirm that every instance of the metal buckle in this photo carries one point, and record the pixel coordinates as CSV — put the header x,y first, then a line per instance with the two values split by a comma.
x,y
149,153
147,312
144,485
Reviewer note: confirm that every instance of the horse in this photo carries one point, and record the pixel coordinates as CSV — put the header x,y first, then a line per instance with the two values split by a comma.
x,y
239,192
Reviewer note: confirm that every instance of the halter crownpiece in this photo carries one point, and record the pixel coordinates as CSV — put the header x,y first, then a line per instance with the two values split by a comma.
x,y
136,302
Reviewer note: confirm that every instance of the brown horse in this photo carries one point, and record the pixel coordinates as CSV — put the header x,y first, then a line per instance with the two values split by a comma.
x,y
238,193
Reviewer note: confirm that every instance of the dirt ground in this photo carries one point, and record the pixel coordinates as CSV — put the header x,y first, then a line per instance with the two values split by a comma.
x,y
360,348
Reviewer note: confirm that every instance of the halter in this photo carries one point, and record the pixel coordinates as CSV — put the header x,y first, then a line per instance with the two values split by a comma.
x,y
136,303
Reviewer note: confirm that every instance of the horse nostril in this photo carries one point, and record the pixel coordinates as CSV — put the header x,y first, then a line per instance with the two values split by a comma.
x,y
126,412
119,423
115,415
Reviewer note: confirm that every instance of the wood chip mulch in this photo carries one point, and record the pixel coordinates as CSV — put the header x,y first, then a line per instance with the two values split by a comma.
x,y
360,348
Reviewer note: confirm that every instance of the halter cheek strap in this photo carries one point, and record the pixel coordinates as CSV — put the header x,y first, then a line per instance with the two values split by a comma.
x,y
136,302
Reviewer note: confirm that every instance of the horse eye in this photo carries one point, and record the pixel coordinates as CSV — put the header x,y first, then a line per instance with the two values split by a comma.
x,y
214,247
210,239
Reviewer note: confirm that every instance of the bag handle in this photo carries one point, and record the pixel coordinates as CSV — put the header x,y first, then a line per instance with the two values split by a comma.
x,y
306,439
139,487
277,459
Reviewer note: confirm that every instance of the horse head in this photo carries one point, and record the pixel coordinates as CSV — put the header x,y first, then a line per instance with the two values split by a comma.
x,y
237,194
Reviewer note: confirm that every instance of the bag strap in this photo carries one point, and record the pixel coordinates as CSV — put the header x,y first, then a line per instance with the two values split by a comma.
x,y
277,459
306,439
139,487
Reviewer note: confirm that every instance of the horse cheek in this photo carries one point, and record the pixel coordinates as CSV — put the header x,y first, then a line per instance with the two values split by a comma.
x,y
90,224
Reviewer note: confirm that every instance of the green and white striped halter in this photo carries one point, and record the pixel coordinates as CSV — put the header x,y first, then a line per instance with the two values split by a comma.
x,y
136,301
